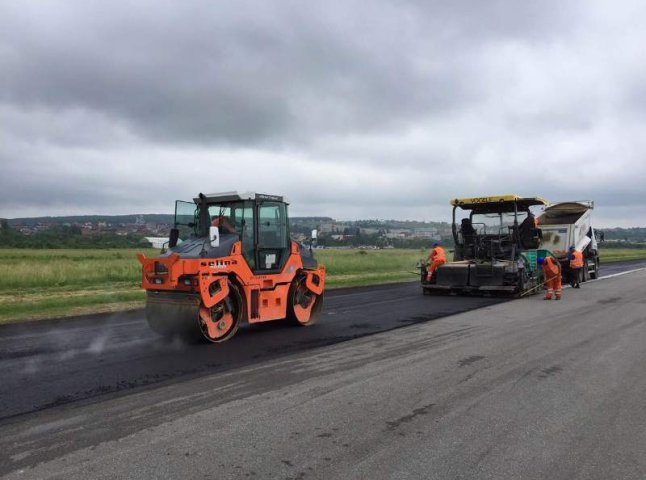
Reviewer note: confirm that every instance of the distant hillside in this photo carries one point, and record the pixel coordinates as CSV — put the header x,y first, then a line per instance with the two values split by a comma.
x,y
128,231
310,219
127,219
80,219
633,235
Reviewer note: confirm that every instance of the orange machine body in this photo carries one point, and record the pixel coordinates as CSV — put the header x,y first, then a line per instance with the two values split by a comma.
x,y
265,295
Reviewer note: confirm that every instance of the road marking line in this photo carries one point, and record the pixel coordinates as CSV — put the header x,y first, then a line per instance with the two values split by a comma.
x,y
592,280
617,274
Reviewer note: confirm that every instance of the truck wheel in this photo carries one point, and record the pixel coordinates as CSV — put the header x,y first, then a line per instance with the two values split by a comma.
x,y
595,274
584,271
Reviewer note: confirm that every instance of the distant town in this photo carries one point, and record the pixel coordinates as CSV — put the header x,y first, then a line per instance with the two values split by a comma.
x,y
137,225
153,229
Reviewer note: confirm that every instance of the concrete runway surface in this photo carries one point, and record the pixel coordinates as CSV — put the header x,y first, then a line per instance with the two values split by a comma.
x,y
521,389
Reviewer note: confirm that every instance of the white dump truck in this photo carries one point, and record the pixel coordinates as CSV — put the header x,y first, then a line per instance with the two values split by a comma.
x,y
569,223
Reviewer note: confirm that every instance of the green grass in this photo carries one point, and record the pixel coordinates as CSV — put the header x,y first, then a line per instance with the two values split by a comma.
x,y
36,284
22,269
610,255
62,306
347,268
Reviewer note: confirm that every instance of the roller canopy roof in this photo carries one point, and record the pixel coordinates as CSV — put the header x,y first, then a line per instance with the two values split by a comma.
x,y
237,196
497,203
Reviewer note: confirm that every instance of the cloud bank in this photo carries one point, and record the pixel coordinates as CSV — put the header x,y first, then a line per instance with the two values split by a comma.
x,y
351,109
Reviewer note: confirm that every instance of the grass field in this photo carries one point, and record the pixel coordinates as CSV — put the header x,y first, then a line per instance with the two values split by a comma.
x,y
51,283
37,284
621,254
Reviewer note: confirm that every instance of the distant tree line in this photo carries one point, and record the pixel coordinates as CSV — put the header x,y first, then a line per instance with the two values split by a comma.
x,y
65,237
624,244
80,219
630,235
380,241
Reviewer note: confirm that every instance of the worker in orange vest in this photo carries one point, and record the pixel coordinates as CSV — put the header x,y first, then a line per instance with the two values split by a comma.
x,y
435,259
576,267
552,274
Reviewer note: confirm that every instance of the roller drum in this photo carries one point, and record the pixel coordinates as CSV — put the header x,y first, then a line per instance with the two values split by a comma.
x,y
171,313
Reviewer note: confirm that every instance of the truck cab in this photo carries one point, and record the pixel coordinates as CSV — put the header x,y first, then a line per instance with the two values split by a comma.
x,y
566,224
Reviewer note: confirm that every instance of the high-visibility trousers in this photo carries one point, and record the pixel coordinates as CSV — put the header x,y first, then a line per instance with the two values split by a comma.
x,y
432,267
554,287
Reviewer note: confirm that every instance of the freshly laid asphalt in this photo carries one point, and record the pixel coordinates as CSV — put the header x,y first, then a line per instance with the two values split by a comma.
x,y
45,364
521,389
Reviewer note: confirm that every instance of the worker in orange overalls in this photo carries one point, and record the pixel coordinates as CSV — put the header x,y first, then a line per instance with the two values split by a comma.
x,y
552,273
435,259
576,267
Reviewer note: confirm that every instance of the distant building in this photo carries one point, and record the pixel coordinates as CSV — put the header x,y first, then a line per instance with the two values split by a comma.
x,y
430,233
338,236
395,235
398,233
158,242
328,228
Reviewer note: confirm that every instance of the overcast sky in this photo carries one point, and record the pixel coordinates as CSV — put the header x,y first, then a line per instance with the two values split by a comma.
x,y
352,109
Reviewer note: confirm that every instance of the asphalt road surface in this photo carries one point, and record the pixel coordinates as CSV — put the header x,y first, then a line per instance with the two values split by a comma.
x,y
52,363
522,389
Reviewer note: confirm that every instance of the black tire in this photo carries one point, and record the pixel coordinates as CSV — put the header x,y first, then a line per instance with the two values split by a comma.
x,y
522,283
584,271
594,275
300,296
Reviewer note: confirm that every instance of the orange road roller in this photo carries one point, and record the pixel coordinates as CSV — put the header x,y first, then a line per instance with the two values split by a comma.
x,y
230,260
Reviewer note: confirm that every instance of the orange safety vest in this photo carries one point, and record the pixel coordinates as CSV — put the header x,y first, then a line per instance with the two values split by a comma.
x,y
550,267
576,260
535,222
438,254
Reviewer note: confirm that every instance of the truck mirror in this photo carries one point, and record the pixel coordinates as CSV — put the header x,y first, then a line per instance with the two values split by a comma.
x,y
214,236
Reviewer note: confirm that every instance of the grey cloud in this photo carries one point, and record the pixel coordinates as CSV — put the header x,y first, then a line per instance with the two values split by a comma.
x,y
372,109
244,72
